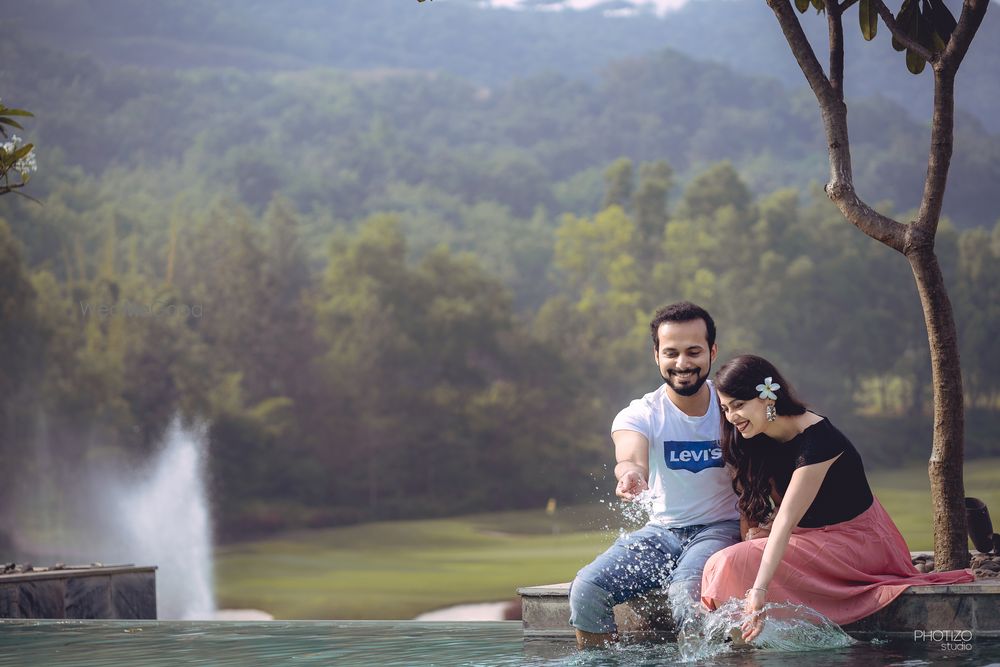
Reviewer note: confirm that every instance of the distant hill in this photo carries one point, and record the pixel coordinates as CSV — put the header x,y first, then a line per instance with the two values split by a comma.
x,y
356,142
488,46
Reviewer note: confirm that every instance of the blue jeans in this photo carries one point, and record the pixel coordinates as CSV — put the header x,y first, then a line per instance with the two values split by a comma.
x,y
650,558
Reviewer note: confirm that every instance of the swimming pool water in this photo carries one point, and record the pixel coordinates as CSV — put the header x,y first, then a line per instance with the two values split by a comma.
x,y
396,643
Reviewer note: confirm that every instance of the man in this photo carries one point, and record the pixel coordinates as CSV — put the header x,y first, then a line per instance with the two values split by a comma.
x,y
668,453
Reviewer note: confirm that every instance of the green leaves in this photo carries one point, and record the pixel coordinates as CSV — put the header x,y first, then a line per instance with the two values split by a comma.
x,y
942,20
5,118
803,5
906,21
14,158
928,23
22,152
10,162
868,16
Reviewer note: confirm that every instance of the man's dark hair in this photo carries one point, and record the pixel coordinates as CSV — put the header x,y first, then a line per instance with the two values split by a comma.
x,y
685,311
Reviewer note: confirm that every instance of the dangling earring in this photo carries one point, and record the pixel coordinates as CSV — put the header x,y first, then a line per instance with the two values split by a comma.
x,y
770,413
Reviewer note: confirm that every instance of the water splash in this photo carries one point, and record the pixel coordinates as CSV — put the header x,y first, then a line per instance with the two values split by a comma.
x,y
627,515
100,510
640,509
788,627
162,518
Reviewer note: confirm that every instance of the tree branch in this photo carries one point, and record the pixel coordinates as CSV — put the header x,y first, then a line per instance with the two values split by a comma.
x,y
840,189
973,12
939,159
6,189
943,121
835,26
801,48
26,196
879,227
902,37
847,4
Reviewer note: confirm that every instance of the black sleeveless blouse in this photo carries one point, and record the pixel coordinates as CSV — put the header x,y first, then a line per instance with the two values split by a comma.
x,y
844,493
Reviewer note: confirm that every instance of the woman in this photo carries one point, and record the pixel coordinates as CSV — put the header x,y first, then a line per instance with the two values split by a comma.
x,y
815,534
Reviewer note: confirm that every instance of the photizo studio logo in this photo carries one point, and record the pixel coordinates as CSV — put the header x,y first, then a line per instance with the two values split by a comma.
x,y
947,640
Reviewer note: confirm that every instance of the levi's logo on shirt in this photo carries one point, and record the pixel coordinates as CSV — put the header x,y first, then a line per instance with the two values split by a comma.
x,y
692,455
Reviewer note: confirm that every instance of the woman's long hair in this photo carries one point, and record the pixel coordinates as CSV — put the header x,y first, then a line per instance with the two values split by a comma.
x,y
738,378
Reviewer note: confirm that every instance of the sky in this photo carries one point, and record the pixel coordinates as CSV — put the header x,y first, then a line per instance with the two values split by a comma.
x,y
661,6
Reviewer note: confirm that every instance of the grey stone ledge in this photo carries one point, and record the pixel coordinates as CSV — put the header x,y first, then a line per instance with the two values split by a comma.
x,y
112,592
973,606
980,586
68,573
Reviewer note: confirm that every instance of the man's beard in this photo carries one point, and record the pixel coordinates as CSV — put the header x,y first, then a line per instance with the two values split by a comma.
x,y
691,389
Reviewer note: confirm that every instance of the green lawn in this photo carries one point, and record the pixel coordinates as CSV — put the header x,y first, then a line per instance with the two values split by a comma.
x,y
399,569
906,495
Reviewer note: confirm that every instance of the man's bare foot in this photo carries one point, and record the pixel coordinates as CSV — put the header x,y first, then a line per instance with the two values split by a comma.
x,y
594,639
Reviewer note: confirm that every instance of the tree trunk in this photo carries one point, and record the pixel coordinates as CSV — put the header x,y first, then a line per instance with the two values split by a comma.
x,y
915,240
948,444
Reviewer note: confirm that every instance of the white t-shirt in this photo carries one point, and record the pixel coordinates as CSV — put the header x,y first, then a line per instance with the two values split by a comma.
x,y
689,482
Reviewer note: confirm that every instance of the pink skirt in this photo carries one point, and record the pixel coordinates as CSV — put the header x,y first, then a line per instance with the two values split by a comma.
x,y
846,571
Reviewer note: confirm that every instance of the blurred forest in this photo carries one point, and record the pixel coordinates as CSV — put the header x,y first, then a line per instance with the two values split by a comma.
x,y
398,291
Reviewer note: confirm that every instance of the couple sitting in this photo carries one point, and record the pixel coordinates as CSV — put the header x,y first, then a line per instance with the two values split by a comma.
x,y
812,531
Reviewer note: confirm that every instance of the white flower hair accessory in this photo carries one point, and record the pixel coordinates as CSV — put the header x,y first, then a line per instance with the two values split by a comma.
x,y
768,388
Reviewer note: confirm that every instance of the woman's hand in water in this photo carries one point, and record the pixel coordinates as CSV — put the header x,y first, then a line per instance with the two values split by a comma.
x,y
752,607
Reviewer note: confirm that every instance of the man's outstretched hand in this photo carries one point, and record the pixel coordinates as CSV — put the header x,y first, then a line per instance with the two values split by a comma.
x,y
631,484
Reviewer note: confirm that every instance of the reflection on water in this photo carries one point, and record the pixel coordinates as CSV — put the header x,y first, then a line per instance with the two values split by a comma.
x,y
396,643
